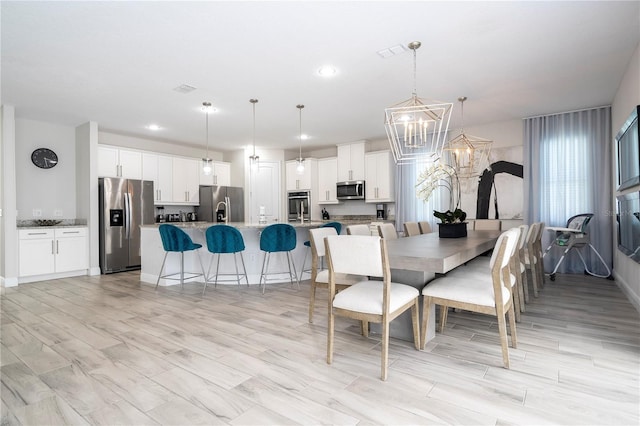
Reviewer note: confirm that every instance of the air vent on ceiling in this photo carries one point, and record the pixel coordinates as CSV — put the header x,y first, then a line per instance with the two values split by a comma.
x,y
392,51
184,88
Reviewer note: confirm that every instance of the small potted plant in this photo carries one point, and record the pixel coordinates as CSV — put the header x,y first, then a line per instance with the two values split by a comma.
x,y
452,224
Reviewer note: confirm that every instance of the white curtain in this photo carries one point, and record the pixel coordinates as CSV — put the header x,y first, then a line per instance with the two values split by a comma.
x,y
409,208
567,171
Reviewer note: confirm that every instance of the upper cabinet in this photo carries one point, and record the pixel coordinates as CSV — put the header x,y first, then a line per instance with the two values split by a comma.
x,y
220,175
380,177
186,181
351,162
327,178
159,169
297,181
117,162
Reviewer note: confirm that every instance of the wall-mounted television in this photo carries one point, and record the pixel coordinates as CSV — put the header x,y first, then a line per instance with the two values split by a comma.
x,y
628,219
629,152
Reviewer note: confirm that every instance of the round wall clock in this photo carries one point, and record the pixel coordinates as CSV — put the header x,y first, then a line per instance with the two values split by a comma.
x,y
44,158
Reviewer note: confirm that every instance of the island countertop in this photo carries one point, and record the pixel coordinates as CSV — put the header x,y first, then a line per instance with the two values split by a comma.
x,y
243,225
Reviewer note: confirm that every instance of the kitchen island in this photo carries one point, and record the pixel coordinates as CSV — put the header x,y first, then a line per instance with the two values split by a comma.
x,y
152,252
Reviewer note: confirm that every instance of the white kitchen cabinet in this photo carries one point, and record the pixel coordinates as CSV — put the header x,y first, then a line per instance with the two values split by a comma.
x,y
379,177
220,174
117,162
48,251
159,169
327,178
186,181
351,162
295,181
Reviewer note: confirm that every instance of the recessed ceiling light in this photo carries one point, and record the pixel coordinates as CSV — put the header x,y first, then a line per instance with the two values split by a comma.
x,y
327,71
154,127
304,137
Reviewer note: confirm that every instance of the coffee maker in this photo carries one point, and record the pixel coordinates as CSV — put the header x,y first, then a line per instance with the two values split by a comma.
x,y
381,211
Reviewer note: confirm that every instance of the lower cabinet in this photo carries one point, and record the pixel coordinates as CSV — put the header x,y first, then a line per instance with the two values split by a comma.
x,y
48,251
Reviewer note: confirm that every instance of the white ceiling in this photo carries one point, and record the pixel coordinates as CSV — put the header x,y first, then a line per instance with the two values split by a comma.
x,y
117,63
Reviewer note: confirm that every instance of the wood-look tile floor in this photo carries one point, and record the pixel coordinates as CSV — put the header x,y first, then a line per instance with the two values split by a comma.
x,y
110,350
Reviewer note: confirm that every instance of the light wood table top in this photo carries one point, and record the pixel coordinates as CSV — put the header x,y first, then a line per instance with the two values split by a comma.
x,y
430,253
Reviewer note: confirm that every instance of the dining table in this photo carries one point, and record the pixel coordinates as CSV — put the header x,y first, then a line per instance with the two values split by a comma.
x,y
418,259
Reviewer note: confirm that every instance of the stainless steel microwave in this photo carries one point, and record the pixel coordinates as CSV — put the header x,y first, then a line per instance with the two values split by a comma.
x,y
350,190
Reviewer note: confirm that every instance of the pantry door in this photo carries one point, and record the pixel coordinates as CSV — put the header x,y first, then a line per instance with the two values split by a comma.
x,y
264,190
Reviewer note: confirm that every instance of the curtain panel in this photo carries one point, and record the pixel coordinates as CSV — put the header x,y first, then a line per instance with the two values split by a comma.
x,y
409,208
567,171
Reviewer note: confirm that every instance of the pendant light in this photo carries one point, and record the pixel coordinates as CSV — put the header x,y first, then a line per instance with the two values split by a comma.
x,y
207,163
300,166
417,128
254,159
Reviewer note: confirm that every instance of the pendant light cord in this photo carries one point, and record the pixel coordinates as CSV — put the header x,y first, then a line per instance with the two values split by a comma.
x,y
300,152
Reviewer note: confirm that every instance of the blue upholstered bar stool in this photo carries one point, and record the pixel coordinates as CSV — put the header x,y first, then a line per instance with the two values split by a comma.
x,y
176,240
225,239
279,237
338,228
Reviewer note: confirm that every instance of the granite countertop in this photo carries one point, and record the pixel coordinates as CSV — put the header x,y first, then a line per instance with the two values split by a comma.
x,y
62,223
239,225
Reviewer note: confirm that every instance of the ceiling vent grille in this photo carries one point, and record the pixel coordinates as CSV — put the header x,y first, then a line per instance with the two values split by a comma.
x,y
392,51
184,88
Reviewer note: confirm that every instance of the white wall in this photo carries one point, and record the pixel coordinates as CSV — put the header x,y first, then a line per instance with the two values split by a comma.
x,y
627,97
51,189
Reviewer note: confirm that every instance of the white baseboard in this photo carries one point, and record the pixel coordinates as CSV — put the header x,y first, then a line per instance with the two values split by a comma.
x,y
8,282
626,289
94,271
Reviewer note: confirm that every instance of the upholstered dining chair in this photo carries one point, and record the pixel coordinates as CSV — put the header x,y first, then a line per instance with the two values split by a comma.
x,y
337,226
277,238
175,240
480,269
533,256
388,231
320,276
411,229
377,301
225,239
358,230
486,225
492,297
425,227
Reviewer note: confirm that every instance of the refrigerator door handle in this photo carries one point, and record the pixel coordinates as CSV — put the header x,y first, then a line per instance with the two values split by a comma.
x,y
227,200
127,214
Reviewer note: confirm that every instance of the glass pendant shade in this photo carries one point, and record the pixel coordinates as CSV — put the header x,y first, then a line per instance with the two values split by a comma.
x,y
207,166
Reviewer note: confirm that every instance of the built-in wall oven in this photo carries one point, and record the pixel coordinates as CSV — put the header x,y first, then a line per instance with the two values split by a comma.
x,y
298,206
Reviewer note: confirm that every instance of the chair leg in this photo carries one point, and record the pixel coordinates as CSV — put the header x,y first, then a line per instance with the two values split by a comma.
x,y
312,300
502,330
416,324
512,329
385,350
215,280
292,267
267,258
235,262
244,268
520,293
444,310
161,269
181,270
525,285
364,328
515,300
330,325
426,312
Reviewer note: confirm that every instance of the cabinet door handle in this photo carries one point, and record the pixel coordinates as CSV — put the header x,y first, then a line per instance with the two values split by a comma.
x,y
36,233
57,246
159,194
215,179
53,249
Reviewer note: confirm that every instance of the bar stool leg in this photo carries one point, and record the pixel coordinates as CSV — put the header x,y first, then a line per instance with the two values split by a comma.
x,y
161,268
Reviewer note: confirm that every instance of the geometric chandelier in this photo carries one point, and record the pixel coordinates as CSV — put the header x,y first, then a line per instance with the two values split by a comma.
x,y
468,155
417,129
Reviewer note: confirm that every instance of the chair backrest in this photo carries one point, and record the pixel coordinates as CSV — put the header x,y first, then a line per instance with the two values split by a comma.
x,y
356,254
579,222
224,239
175,239
524,231
512,236
336,225
532,234
487,225
278,237
388,231
411,229
316,237
358,230
425,227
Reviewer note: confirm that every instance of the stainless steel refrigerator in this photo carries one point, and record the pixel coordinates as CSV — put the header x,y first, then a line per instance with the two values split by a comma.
x,y
124,205
219,202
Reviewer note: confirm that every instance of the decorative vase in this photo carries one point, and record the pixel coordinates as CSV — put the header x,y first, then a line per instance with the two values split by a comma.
x,y
452,230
